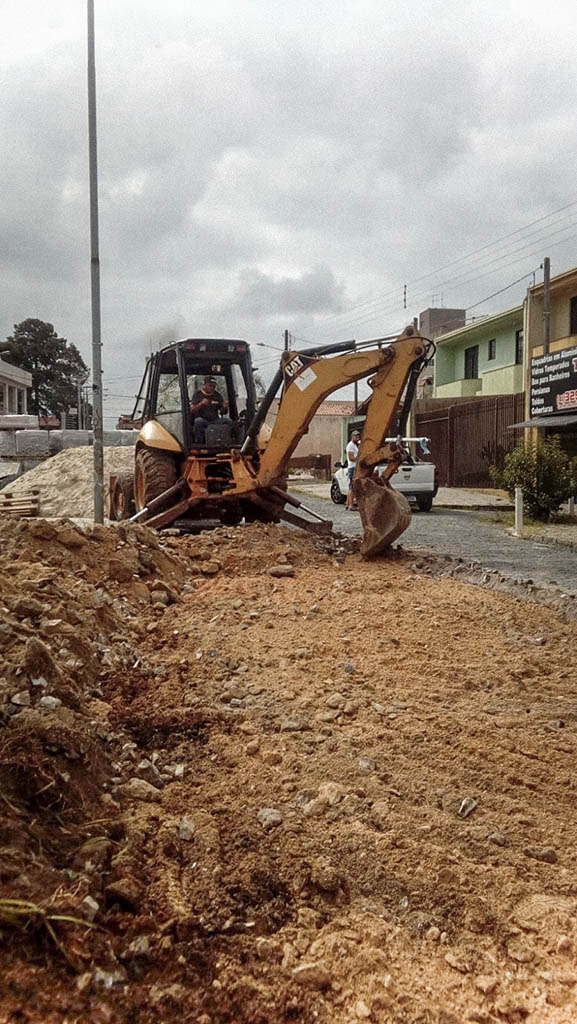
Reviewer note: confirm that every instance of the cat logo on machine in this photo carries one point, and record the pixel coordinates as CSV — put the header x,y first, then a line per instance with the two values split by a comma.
x,y
294,367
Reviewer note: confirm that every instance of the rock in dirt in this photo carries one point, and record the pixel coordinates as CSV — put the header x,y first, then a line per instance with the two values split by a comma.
x,y
457,961
138,949
90,908
295,724
21,699
52,703
186,829
269,817
139,789
467,807
109,979
312,975
281,571
125,891
547,854
486,983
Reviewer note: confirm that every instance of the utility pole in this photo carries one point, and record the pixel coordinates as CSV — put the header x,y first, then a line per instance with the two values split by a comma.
x,y
286,341
79,403
546,305
95,278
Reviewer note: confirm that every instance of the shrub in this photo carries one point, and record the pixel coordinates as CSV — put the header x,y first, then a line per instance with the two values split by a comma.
x,y
543,472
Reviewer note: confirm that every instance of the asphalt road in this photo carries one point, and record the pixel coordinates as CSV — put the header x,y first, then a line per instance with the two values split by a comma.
x,y
464,535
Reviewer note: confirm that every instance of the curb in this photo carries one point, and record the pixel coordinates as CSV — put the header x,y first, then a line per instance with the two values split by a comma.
x,y
478,508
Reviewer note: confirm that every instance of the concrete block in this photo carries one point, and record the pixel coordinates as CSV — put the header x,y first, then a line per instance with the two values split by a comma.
x,y
61,439
7,443
32,442
119,438
16,421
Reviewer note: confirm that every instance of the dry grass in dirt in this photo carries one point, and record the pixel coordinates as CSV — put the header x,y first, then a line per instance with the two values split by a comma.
x,y
339,793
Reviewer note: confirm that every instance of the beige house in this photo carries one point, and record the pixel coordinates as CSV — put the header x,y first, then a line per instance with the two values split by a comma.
x,y
13,387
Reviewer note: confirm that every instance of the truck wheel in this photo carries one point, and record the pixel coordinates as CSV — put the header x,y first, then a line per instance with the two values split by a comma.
x,y
122,498
336,494
155,471
425,502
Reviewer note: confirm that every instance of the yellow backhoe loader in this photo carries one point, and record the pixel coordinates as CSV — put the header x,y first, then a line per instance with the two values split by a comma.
x,y
204,449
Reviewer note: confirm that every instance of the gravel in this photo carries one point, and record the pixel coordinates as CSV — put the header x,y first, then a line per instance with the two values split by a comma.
x,y
464,535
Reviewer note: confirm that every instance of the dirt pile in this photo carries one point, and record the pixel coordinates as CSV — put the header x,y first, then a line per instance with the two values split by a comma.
x,y
278,785
66,481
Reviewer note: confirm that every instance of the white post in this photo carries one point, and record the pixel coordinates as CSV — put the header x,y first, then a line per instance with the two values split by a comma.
x,y
518,512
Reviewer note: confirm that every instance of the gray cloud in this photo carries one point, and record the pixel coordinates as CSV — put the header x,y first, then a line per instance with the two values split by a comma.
x,y
266,165
315,291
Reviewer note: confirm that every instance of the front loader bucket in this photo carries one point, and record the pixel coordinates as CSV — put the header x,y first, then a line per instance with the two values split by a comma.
x,y
385,514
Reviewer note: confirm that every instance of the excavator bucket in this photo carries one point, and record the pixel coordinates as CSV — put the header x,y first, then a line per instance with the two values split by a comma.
x,y
385,514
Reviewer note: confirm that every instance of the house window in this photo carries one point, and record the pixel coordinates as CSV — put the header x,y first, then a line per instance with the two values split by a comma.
x,y
573,316
20,402
11,399
472,362
2,399
518,347
492,349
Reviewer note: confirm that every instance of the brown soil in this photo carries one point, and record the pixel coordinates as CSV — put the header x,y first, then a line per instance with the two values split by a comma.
x,y
337,796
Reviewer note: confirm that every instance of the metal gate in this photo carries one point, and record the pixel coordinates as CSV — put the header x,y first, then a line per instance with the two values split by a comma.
x,y
469,437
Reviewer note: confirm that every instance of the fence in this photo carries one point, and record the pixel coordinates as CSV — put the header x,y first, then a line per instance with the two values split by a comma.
x,y
469,436
321,466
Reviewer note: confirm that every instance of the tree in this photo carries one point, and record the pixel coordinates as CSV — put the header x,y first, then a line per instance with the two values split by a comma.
x,y
56,366
544,473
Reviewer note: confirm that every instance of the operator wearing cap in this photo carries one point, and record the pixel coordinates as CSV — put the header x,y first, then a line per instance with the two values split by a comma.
x,y
352,453
207,406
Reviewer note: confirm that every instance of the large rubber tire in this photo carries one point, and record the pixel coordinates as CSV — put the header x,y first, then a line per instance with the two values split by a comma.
x,y
424,502
336,494
122,498
155,471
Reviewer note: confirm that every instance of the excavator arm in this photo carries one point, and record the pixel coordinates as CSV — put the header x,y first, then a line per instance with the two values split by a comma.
x,y
308,380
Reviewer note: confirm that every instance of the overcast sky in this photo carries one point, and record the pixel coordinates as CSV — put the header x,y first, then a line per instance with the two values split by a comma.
x,y
282,165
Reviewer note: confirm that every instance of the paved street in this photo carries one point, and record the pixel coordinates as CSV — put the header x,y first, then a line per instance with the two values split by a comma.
x,y
464,535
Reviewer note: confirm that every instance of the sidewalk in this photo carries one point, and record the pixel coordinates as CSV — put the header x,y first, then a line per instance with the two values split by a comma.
x,y
447,497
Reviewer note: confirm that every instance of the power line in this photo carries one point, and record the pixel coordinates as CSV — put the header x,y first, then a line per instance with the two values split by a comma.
x,y
397,306
451,263
501,290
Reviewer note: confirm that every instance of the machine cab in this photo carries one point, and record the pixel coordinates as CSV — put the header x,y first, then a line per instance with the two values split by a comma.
x,y
174,380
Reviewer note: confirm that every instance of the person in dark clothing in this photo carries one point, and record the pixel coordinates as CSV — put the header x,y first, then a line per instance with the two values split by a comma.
x,y
207,406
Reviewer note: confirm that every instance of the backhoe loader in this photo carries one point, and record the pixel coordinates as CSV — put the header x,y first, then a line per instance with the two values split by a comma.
x,y
231,465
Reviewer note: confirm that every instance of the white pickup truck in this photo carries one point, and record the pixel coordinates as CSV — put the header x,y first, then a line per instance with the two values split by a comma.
x,y
416,480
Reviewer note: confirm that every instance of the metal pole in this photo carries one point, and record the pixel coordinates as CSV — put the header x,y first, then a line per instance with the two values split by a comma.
x,y
95,279
79,404
286,341
546,305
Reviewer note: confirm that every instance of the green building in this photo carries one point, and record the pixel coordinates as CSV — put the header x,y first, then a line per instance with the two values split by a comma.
x,y
482,359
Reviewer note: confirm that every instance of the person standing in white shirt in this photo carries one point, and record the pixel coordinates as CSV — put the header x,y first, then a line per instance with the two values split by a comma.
x,y
352,455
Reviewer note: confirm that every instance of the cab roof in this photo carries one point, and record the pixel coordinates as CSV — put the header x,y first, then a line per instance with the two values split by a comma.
x,y
215,343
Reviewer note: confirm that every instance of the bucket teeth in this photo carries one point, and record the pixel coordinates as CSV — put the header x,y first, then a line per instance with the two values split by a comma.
x,y
385,515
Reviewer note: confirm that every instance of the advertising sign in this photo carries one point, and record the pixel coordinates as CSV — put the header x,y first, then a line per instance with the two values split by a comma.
x,y
554,382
